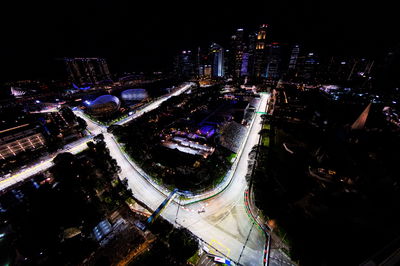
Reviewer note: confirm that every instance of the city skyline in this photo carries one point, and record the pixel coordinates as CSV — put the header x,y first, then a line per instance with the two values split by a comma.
x,y
145,38
206,133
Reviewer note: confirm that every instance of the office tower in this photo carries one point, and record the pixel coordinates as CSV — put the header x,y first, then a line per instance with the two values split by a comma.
x,y
273,61
217,60
310,66
293,57
260,52
348,68
251,47
207,70
244,68
236,55
199,67
185,64
87,71
228,62
388,76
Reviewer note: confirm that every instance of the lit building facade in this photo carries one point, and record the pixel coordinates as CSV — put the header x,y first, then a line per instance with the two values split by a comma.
x,y
260,52
339,69
244,68
84,71
310,67
104,105
20,139
236,55
273,68
217,57
184,65
293,57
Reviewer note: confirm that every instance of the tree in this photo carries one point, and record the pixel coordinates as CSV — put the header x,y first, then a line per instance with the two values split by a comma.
x,y
183,244
82,125
99,138
264,131
114,129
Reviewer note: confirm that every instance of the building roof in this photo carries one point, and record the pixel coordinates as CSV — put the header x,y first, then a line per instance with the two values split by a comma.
x,y
134,94
104,104
232,135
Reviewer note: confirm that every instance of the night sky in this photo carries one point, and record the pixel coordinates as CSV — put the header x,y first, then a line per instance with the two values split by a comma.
x,y
134,37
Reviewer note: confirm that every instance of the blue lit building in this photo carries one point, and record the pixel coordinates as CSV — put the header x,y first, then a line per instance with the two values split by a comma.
x,y
244,69
102,229
217,57
134,94
103,105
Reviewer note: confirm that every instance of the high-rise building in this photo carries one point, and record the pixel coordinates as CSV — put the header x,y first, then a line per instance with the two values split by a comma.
x,y
185,64
86,71
388,75
251,47
310,67
199,66
207,70
236,55
228,62
340,69
217,59
244,69
260,52
273,68
293,57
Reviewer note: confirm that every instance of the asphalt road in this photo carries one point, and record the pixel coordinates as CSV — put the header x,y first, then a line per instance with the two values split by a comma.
x,y
223,222
78,146
45,163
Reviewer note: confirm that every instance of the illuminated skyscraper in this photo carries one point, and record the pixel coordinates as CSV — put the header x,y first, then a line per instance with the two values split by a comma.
x,y
83,71
244,69
251,48
293,56
199,67
273,69
310,66
260,52
236,55
185,64
217,57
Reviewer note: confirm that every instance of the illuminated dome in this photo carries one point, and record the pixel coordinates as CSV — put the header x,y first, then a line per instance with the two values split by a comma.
x,y
134,94
105,104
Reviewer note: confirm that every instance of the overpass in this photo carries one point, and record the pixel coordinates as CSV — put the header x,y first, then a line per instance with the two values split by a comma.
x,y
162,206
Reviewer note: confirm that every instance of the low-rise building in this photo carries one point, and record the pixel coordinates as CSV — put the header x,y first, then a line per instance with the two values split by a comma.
x,y
21,138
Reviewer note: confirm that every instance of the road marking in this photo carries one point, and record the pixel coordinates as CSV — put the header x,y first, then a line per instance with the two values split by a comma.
x,y
31,171
195,210
223,248
202,260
